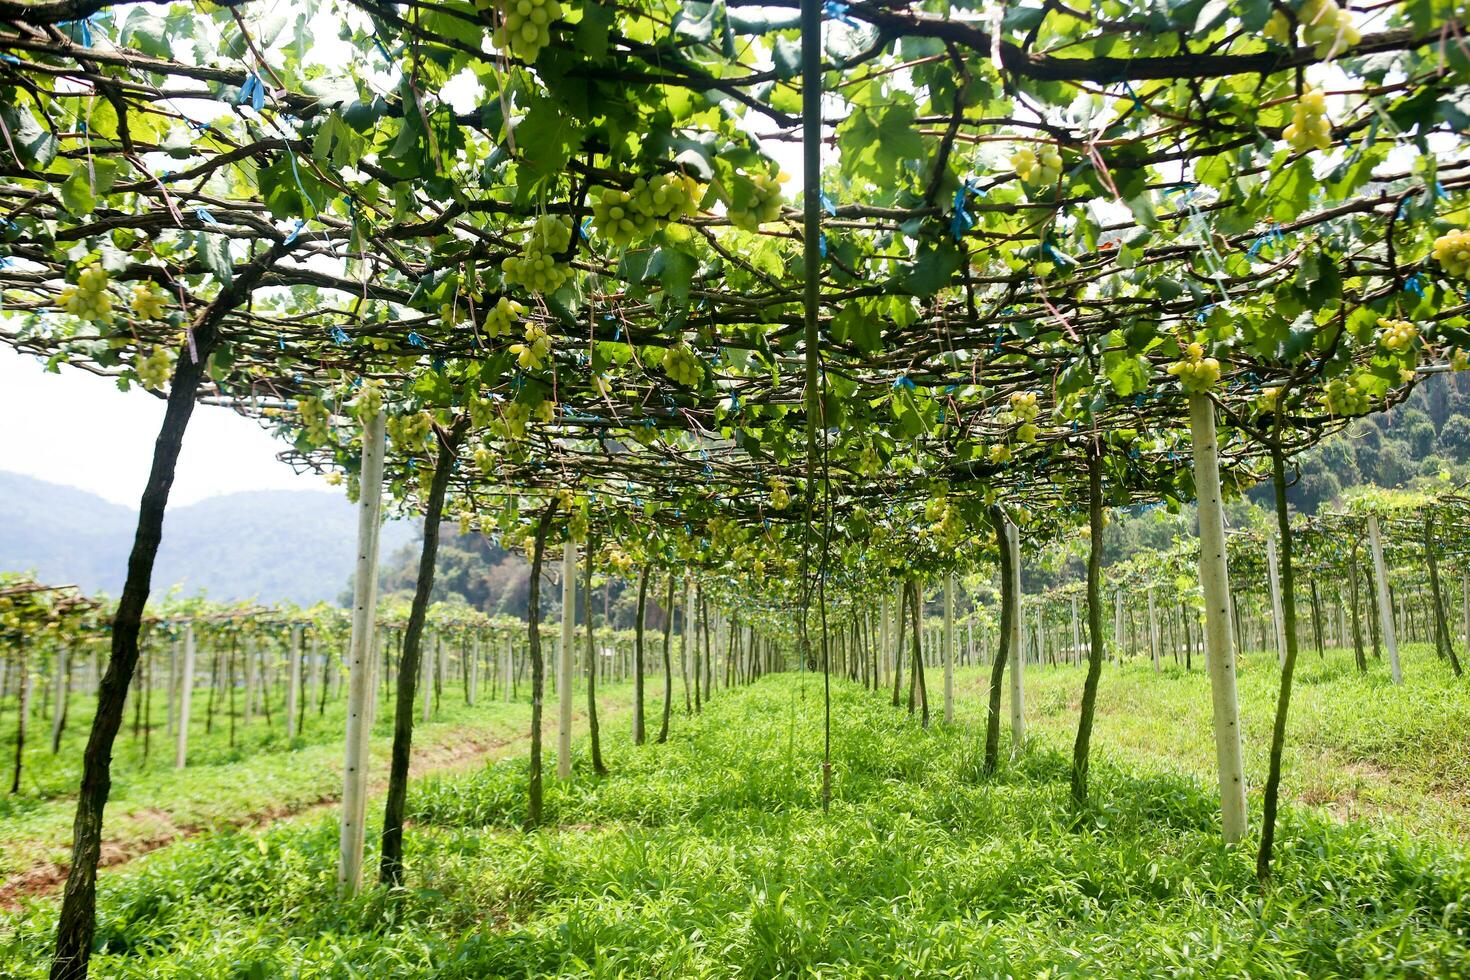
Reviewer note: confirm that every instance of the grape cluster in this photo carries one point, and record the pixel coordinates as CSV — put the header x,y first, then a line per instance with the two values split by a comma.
x,y
485,462
1452,252
1325,26
502,316
517,414
1309,127
1397,335
155,369
1037,168
451,314
620,561
683,365
1024,406
780,496
532,354
524,26
482,411
577,525
1345,397
369,402
536,268
409,432
1195,371
1027,432
89,298
1000,453
1269,401
147,301
623,216
764,204
316,420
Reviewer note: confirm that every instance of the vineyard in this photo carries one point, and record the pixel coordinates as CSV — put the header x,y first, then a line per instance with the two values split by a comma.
x,y
834,339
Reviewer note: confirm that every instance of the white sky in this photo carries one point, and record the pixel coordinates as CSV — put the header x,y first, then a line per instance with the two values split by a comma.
x,y
78,429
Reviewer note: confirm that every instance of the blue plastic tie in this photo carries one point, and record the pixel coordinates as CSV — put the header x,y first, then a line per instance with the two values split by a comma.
x,y
204,216
1413,285
415,339
340,335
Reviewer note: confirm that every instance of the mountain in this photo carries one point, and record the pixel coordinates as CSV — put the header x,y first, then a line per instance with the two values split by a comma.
x,y
269,545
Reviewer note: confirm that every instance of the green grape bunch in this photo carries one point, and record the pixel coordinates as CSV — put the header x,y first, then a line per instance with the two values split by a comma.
x,y
1345,398
618,217
1325,26
683,365
88,298
409,433
316,420
780,495
1309,127
1397,335
531,355
369,402
537,269
763,205
623,217
485,462
1196,372
155,369
1041,168
147,301
524,26
1452,252
1023,405
503,316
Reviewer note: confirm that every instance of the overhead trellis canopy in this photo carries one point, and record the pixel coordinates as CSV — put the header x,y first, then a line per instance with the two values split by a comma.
x,y
1041,259
1042,227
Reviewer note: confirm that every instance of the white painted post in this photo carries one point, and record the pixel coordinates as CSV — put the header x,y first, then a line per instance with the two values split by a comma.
x,y
1018,647
949,648
473,679
1385,604
883,638
1153,630
1118,625
507,670
1278,620
426,676
314,692
252,678
58,712
186,696
361,660
293,680
1215,584
1076,634
564,660
173,682
1465,605
688,631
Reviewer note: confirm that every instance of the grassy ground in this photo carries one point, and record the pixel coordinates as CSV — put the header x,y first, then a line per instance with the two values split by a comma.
x,y
711,856
1357,746
262,776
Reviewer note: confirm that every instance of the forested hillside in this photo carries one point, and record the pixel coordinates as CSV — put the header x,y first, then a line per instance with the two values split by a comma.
x,y
269,545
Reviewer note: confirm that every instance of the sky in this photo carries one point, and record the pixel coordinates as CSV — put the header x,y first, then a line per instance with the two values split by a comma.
x,y
78,429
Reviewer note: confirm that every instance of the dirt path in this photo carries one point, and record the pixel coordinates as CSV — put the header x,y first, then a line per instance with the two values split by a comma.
x,y
455,755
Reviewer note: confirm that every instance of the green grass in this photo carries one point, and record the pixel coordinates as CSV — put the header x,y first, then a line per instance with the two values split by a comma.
x,y
262,775
1357,745
711,857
